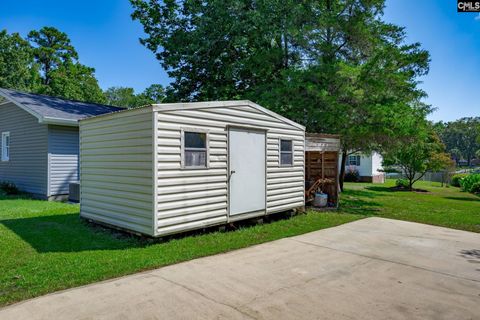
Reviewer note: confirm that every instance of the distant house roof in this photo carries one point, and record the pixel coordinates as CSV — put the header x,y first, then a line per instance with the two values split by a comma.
x,y
52,110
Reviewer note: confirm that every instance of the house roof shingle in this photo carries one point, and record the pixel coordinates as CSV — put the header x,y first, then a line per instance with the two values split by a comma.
x,y
52,109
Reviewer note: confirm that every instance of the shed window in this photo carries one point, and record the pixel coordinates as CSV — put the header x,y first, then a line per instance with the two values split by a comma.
x,y
353,160
5,146
286,152
195,149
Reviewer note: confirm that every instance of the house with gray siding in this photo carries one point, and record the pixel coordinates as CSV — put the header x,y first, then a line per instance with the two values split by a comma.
x,y
39,141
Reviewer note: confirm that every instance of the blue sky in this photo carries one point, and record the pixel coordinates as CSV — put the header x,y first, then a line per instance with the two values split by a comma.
x,y
107,39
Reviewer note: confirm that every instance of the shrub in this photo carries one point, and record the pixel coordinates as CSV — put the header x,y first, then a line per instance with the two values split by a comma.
x,y
9,188
402,183
457,178
351,175
475,188
468,182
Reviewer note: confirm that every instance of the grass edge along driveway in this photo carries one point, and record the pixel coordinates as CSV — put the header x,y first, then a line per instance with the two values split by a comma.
x,y
45,246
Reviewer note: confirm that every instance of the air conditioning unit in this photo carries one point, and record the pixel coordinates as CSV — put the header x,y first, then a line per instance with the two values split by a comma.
x,y
74,192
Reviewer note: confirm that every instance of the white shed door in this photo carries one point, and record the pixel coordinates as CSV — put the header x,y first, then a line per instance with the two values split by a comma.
x,y
247,160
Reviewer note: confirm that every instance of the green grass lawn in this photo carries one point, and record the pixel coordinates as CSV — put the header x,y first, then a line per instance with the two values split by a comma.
x,y
45,246
447,207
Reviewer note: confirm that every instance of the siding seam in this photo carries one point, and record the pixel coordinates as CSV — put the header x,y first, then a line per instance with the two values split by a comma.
x,y
154,173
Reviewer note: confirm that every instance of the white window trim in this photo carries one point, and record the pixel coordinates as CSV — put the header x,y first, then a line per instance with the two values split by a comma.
x,y
280,152
5,154
207,147
357,160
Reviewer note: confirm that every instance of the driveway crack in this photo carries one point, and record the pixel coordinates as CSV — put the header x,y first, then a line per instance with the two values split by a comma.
x,y
205,296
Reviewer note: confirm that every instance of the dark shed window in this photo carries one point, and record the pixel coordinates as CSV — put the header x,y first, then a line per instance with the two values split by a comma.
x,y
286,152
195,149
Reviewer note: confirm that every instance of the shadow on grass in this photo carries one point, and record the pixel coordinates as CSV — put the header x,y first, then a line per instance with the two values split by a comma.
x,y
362,201
70,233
20,196
463,199
367,193
360,207
380,189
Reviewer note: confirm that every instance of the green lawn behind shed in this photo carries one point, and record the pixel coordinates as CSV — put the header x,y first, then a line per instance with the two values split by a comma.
x,y
441,206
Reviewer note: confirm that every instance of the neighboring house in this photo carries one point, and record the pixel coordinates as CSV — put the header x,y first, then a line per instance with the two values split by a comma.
x,y
39,141
369,166
169,168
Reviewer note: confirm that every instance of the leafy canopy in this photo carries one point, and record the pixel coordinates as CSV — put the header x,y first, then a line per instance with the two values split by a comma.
x,y
333,65
419,154
61,72
46,62
461,137
52,49
126,97
17,68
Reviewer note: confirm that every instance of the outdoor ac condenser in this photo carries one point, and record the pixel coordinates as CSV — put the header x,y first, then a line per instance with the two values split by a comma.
x,y
74,192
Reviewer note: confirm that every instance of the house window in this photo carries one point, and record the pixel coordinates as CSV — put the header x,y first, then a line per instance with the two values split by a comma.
x,y
353,160
286,152
194,149
5,146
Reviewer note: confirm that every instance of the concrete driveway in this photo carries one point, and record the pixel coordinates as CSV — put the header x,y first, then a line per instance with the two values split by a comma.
x,y
369,269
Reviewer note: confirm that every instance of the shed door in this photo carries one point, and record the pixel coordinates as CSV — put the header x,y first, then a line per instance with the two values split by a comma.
x,y
247,161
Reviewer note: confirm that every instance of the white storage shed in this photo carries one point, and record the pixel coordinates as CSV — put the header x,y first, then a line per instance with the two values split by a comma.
x,y
170,168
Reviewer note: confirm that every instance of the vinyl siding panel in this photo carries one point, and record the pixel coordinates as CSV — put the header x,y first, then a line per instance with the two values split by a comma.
x,y
116,170
196,198
28,166
132,175
377,161
63,150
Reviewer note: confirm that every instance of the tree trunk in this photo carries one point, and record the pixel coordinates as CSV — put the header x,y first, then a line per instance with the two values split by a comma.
x,y
342,169
410,184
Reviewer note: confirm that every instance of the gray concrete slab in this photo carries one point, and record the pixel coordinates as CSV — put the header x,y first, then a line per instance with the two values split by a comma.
x,y
369,269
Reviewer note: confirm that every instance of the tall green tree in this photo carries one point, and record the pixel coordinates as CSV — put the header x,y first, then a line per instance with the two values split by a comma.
x,y
126,97
155,93
332,65
422,152
221,49
75,81
461,137
18,69
52,49
61,73
121,97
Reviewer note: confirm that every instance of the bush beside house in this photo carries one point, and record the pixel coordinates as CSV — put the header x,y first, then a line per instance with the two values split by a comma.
x,y
9,188
402,183
352,175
